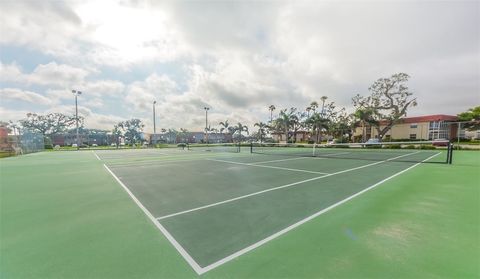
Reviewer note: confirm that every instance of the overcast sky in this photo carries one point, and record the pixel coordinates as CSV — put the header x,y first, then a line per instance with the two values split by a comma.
x,y
236,57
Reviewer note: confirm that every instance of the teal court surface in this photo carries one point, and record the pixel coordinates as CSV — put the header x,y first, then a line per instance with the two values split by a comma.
x,y
215,208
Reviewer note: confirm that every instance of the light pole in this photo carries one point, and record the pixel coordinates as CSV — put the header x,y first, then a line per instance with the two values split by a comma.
x,y
154,127
323,105
206,123
76,93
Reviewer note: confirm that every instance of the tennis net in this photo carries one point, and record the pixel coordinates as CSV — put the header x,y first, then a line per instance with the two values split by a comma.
x,y
418,151
216,147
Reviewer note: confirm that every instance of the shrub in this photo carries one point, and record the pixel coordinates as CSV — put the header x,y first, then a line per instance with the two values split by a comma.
x,y
428,147
398,146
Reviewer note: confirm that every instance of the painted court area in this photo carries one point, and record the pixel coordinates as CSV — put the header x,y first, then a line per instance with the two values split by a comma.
x,y
184,213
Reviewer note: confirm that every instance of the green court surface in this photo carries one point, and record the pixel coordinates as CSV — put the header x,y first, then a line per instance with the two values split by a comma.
x,y
171,213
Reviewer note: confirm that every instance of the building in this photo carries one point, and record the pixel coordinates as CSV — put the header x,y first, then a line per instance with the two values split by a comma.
x,y
189,137
429,127
300,136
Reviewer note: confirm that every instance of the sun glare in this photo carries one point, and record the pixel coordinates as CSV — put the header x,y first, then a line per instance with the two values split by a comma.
x,y
129,33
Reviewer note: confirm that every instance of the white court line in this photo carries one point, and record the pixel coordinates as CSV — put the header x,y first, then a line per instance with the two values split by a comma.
x,y
96,155
269,167
303,221
280,160
333,154
185,255
278,187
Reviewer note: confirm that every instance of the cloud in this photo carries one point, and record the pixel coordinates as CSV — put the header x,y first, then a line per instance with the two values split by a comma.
x,y
103,88
113,33
240,57
7,114
49,26
141,94
10,72
25,96
51,74
55,74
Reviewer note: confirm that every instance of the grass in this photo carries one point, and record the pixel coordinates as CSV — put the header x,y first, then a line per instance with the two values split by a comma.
x,y
63,216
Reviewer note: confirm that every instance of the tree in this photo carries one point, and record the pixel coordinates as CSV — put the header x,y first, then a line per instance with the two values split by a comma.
x,y
49,124
231,131
284,121
296,123
314,106
224,125
262,127
183,135
117,132
172,133
131,130
472,115
388,102
342,125
365,116
271,108
6,125
240,128
323,121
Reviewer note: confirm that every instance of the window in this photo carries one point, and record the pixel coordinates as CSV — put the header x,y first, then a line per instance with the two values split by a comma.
x,y
438,130
413,136
413,126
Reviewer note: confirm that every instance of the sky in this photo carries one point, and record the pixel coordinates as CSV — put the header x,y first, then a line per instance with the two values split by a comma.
x,y
235,57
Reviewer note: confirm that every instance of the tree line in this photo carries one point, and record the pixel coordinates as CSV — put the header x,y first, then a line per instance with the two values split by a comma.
x,y
387,102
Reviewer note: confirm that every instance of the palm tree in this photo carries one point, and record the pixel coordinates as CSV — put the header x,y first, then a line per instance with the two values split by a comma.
x,y
261,129
183,133
314,106
365,115
318,123
224,125
271,108
231,131
172,132
284,120
240,128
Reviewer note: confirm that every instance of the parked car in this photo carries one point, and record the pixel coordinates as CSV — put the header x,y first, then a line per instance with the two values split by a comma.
x,y
331,142
372,141
74,145
440,142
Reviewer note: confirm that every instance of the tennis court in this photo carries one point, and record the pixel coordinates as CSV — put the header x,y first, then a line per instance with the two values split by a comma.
x,y
213,209
227,214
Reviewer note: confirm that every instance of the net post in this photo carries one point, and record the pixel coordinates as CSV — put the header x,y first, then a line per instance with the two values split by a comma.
x,y
251,147
450,153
